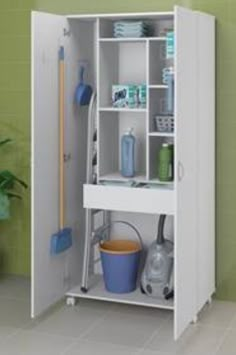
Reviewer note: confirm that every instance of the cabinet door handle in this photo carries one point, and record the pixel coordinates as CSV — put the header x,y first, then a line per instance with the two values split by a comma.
x,y
180,171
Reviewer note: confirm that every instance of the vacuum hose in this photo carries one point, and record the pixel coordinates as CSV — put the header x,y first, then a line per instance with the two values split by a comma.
x,y
160,233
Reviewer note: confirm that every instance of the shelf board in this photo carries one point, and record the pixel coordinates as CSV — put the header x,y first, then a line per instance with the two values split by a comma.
x,y
122,109
157,39
161,134
128,15
97,291
131,39
158,182
118,177
160,86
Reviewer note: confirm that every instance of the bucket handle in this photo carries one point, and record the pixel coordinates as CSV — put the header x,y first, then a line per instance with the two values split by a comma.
x,y
103,229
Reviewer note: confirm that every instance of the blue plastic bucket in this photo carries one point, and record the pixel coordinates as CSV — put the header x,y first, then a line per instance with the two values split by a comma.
x,y
120,263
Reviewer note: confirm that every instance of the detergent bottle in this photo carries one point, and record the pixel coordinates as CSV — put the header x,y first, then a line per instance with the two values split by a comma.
x,y
165,162
127,154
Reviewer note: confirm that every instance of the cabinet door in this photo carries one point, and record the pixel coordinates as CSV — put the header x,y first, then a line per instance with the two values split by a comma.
x,y
185,171
49,273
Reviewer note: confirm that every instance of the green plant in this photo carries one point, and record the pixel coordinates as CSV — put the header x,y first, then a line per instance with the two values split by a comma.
x,y
8,182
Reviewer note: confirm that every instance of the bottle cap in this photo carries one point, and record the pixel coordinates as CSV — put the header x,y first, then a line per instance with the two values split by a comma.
x,y
129,131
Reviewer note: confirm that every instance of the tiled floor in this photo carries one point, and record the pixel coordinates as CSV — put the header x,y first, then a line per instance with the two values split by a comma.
x,y
97,328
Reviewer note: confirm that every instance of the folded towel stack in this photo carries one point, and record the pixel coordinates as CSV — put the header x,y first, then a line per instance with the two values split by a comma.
x,y
130,29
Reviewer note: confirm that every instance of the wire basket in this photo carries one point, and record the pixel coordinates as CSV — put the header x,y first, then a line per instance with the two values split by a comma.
x,y
164,123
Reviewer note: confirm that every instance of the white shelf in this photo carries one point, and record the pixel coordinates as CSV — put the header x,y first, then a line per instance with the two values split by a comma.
x,y
125,109
161,86
157,181
157,39
161,134
97,291
131,39
155,200
118,177
137,178
127,15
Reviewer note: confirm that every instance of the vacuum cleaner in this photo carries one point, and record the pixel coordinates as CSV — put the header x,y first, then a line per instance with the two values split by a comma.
x,y
157,279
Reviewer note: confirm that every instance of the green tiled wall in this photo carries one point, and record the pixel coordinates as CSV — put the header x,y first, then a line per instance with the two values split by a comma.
x,y
14,114
15,123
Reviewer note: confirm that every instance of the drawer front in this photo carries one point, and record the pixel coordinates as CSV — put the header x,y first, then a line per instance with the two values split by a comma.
x,y
129,199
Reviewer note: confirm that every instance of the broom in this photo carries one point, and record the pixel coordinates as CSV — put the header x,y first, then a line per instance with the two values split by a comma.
x,y
62,240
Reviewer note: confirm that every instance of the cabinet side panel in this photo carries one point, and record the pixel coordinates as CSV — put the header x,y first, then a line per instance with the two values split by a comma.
x,y
47,272
206,158
185,168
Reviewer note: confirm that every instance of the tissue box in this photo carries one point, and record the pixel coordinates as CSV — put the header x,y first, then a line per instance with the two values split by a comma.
x,y
124,96
142,95
170,45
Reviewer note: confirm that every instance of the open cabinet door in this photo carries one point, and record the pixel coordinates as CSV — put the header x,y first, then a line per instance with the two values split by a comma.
x,y
185,168
48,272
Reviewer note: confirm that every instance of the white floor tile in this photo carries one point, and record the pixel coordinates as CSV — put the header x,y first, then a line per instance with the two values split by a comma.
x,y
159,314
204,340
197,340
14,313
218,314
150,352
167,328
127,327
70,321
100,328
165,343
232,324
6,332
15,287
228,346
94,348
33,343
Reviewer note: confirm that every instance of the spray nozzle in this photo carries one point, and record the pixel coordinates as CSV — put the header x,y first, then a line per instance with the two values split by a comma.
x,y
130,131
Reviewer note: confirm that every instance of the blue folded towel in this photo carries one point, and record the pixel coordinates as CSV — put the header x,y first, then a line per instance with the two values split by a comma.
x,y
130,29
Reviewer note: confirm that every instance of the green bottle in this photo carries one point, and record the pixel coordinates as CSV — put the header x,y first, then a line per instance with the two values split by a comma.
x,y
165,162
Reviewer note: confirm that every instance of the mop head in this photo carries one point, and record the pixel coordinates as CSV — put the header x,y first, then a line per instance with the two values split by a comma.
x,y
61,241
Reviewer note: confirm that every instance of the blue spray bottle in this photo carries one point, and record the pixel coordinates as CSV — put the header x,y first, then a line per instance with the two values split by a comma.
x,y
127,154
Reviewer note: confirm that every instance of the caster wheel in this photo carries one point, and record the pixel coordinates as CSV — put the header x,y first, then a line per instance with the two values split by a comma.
x,y
142,290
70,301
209,301
84,289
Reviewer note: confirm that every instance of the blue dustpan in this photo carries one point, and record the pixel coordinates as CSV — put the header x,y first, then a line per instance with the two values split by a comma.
x,y
83,92
61,241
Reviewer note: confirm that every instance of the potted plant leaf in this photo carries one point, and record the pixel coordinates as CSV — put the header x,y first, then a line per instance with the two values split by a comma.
x,y
8,182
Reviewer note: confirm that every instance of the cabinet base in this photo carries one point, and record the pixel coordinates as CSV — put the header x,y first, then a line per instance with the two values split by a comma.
x,y
97,291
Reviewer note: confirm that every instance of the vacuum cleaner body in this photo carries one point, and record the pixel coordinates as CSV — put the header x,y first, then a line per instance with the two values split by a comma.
x,y
157,276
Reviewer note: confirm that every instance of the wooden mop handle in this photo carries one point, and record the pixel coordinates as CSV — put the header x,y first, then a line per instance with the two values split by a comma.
x,y
61,137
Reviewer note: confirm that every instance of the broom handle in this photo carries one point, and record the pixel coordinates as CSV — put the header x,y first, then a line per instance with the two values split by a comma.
x,y
61,138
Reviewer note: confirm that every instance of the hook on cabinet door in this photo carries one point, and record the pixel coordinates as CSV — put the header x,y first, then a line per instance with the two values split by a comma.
x,y
67,157
66,32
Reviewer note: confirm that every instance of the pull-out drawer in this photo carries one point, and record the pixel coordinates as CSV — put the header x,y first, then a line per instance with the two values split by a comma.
x,y
129,199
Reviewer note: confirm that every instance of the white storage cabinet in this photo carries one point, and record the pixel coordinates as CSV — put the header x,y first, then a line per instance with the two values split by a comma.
x,y
188,200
